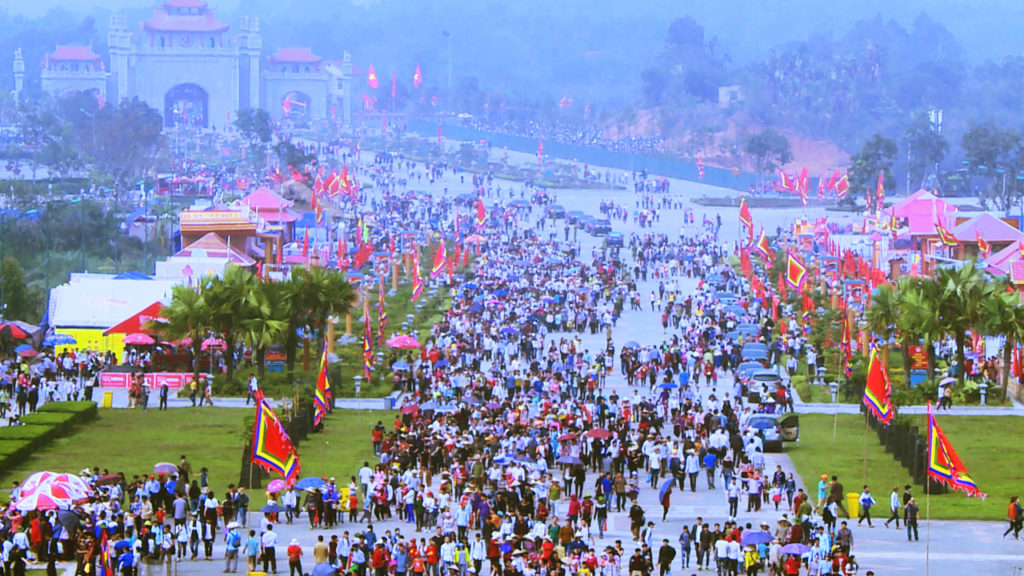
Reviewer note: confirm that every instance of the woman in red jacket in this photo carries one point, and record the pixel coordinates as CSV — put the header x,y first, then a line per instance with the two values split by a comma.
x,y
294,557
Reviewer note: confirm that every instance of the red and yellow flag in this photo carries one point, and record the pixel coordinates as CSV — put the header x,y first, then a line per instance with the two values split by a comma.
x,y
371,78
877,391
417,77
944,464
272,449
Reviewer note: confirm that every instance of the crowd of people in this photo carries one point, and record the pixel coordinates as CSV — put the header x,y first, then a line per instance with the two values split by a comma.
x,y
529,442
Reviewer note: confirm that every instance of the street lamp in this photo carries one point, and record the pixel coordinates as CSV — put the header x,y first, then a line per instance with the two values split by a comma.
x,y
448,36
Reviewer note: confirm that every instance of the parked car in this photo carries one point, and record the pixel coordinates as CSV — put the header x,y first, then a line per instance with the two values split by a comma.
x,y
613,239
556,211
774,430
601,226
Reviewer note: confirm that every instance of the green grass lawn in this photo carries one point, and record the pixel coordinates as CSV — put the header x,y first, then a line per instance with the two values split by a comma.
x,y
989,448
130,441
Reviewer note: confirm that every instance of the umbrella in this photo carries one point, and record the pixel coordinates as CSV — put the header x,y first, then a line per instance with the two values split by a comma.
x,y
400,366
492,406
108,480
12,331
668,385
64,486
410,408
446,409
441,363
756,537
311,482
631,344
502,459
403,341
139,339
69,520
795,548
25,351
549,300
59,340
666,487
215,343
500,292
272,508
476,308
567,437
42,501
470,286
942,382
165,468
276,486
509,330
599,433
324,569
567,459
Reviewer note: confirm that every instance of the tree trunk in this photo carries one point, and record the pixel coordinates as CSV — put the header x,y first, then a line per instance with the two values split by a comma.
x,y
930,351
291,344
229,356
1007,365
905,354
261,362
960,358
196,349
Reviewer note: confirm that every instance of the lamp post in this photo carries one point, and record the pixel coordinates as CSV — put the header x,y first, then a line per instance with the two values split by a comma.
x,y
448,36
833,387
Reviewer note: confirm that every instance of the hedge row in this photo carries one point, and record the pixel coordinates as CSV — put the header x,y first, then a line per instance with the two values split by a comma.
x,y
40,428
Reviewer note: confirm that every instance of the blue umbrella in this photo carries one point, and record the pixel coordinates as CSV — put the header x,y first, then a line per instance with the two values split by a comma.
x,y
501,292
631,344
59,340
311,482
470,286
400,365
549,300
756,537
275,508
22,348
795,548
567,459
668,385
441,363
666,487
446,409
476,308
509,330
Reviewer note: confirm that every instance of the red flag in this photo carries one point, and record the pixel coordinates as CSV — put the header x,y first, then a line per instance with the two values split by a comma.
x,y
746,219
842,187
764,249
417,77
984,248
394,84
322,393
877,391
944,464
457,257
417,282
272,449
796,272
880,194
305,244
947,237
787,182
440,257
341,254
700,167
440,137
481,212
371,78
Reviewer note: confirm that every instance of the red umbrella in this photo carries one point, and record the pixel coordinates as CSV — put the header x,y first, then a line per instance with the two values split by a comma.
x,y
139,339
12,330
599,433
567,437
410,408
42,501
403,341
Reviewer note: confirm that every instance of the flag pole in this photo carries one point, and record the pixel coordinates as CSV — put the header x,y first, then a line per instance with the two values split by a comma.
x,y
928,524
867,415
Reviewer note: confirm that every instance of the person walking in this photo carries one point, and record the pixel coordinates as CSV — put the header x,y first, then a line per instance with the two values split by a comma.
x,y
268,543
233,543
910,511
666,554
1013,516
294,552
866,502
894,507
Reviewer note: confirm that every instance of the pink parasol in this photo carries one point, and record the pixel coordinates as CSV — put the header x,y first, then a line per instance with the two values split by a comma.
x,y
276,486
42,501
215,343
403,341
64,486
139,339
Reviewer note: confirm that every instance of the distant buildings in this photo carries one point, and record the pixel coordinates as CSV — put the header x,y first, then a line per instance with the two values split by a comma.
x,y
191,67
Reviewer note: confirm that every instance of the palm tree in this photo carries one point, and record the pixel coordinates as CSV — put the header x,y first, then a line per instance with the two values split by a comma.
x,y
311,296
187,316
265,321
883,316
228,300
961,294
1004,316
920,309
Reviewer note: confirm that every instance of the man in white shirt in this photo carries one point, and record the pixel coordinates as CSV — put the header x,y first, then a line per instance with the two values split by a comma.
x,y
268,544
